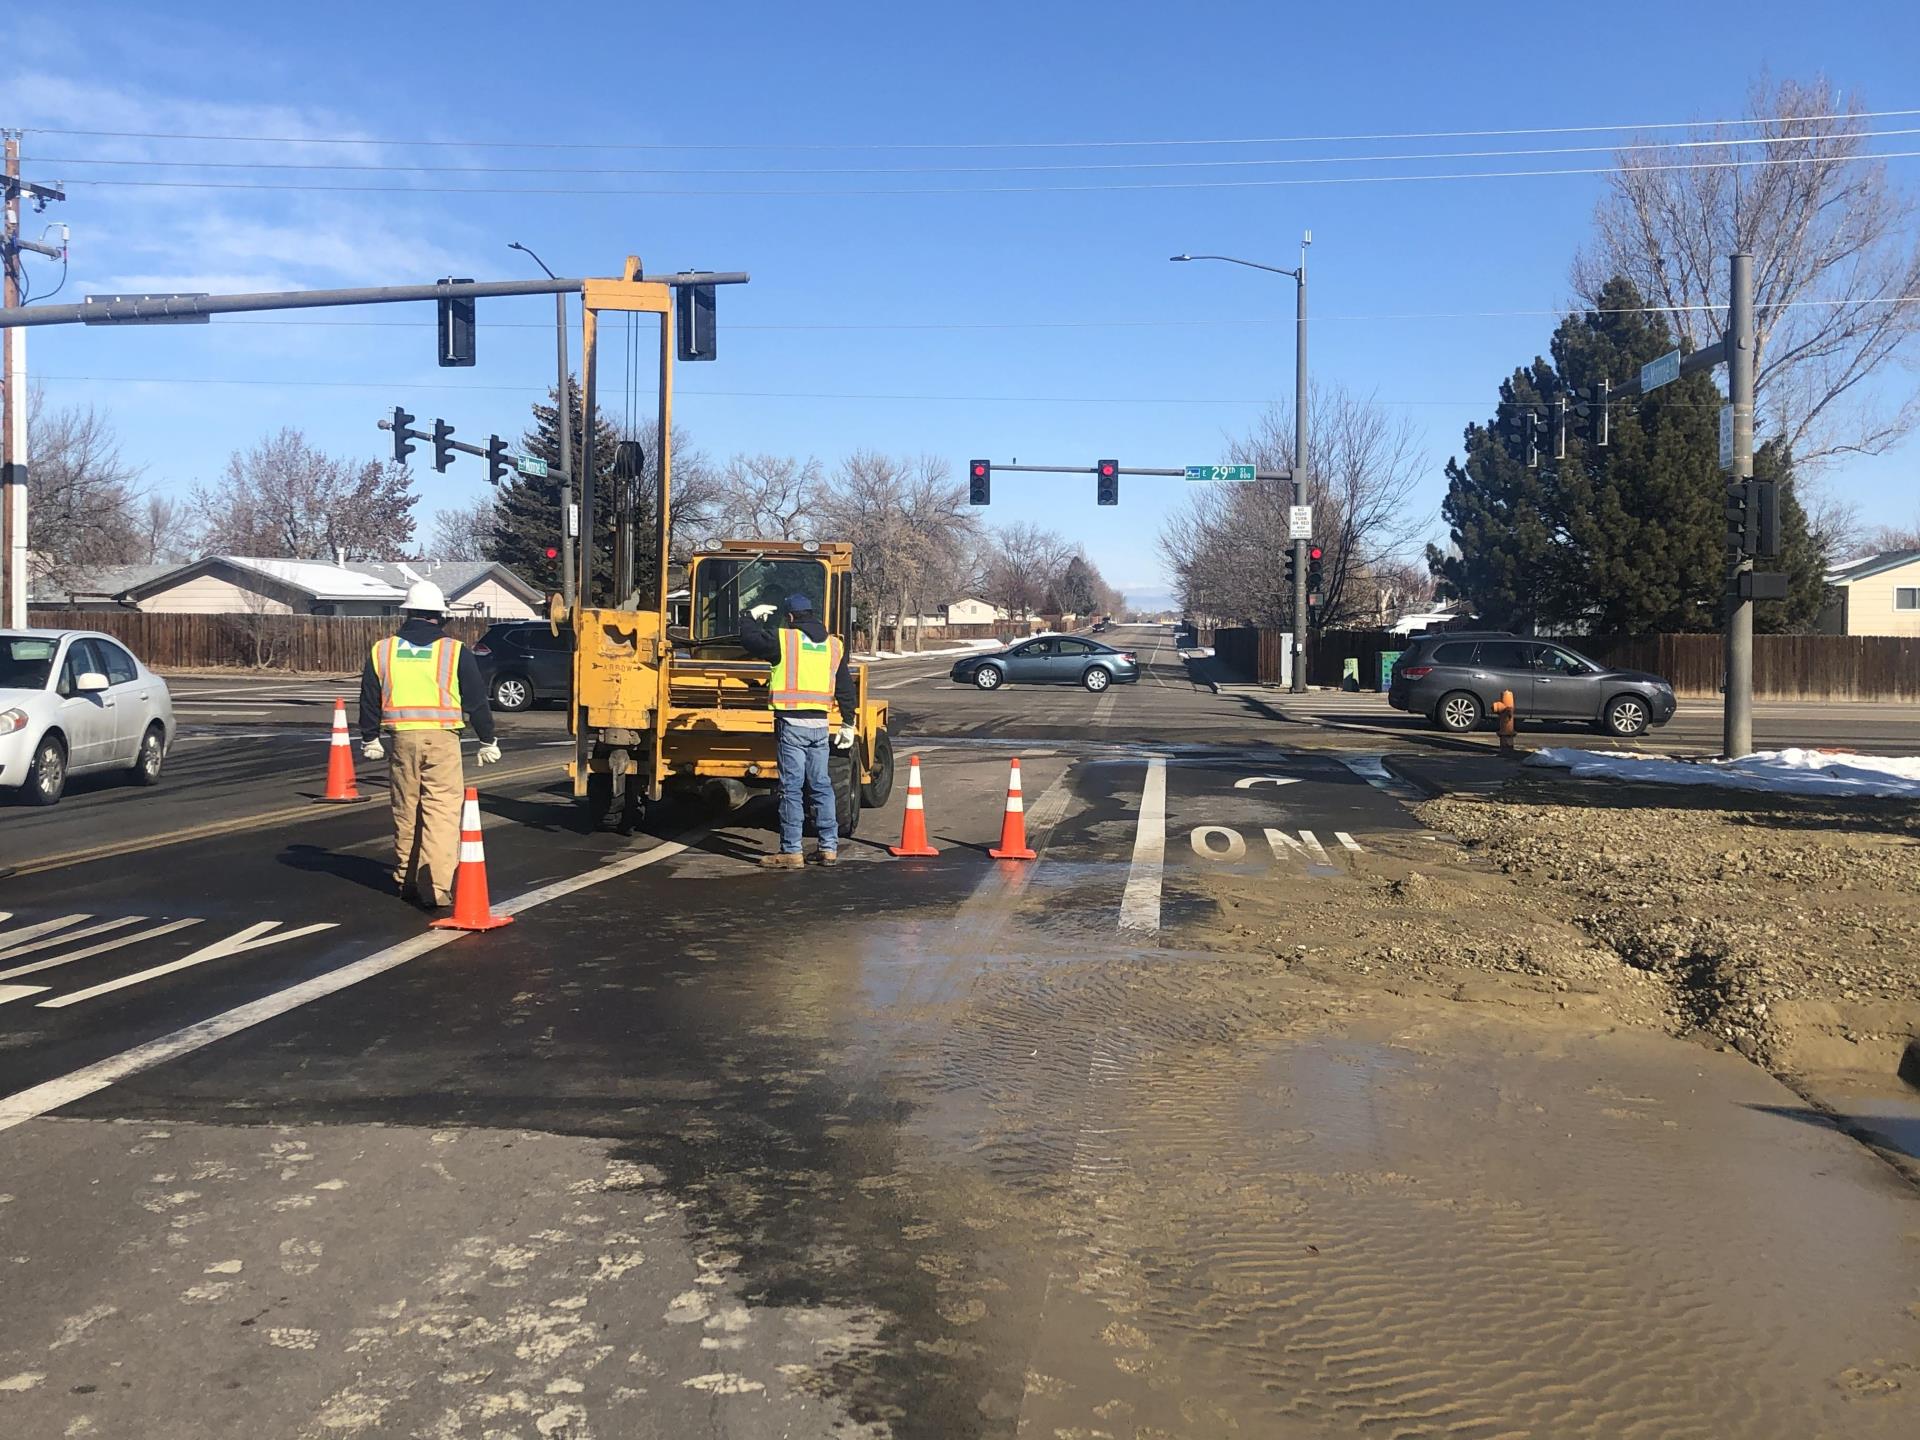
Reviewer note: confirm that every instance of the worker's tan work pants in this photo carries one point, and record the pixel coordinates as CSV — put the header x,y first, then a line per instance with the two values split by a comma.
x,y
426,812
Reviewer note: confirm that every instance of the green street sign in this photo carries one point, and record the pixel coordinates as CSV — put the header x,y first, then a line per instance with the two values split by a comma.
x,y
529,465
1242,474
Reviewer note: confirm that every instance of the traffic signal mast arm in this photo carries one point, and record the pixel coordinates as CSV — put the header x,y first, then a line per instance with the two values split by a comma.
x,y
482,451
1180,474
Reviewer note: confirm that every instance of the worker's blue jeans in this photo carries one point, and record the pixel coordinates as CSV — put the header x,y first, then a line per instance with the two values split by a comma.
x,y
801,753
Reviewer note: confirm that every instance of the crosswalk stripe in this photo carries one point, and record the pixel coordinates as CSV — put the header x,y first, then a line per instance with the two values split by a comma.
x,y
254,937
102,948
47,942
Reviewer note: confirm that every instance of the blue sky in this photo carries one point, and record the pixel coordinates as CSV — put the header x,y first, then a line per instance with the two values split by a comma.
x,y
1041,323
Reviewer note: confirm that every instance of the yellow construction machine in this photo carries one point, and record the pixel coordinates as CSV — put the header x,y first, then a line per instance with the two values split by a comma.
x,y
658,709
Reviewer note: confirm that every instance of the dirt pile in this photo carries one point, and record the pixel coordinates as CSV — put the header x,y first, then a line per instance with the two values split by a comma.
x,y
1787,927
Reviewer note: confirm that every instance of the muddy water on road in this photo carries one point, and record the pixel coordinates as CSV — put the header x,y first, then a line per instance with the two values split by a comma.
x,y
1254,1204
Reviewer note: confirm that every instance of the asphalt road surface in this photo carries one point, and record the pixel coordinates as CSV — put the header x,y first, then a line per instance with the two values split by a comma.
x,y
937,1147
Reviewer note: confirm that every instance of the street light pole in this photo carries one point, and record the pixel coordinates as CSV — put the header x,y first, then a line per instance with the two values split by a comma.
x,y
564,414
1298,684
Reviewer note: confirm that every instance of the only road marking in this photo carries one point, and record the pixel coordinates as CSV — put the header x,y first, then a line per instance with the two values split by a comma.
x,y
1140,904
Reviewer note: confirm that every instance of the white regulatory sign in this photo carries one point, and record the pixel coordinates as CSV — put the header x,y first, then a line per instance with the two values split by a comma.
x,y
1299,522
1726,437
573,521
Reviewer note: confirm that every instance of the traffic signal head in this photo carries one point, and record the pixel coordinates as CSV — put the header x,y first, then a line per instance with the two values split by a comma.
x,y
979,482
553,552
402,442
1314,556
1765,503
456,326
1107,482
1560,428
693,322
1590,412
1743,529
497,466
442,451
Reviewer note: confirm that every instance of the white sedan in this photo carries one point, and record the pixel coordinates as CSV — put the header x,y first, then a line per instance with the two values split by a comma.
x,y
76,703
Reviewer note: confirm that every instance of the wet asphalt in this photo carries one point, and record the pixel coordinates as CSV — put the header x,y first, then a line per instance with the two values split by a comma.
x,y
934,1147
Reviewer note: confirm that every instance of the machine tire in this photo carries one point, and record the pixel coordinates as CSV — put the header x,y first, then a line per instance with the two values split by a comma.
x,y
874,793
150,757
46,773
1459,712
597,806
988,677
846,792
1624,716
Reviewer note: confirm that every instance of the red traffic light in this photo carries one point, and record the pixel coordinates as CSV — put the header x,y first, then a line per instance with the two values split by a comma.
x,y
1107,469
553,552
979,469
1314,552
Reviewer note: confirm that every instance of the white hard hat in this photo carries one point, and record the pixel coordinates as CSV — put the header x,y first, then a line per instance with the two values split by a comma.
x,y
424,598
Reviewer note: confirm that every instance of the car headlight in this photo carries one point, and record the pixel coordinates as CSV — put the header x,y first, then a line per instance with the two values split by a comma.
x,y
12,720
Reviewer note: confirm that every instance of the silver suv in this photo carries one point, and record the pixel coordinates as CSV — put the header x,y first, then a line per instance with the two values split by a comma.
x,y
1454,678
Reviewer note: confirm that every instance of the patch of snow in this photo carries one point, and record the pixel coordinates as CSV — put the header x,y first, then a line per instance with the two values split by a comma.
x,y
1785,772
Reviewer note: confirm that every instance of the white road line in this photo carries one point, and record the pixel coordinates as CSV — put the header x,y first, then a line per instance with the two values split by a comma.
x,y
254,937
10,993
1313,844
102,948
29,931
1284,845
1140,904
32,1103
47,942
1348,841
1103,712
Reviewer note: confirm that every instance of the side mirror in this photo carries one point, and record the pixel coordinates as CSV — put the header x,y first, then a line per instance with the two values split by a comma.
x,y
91,683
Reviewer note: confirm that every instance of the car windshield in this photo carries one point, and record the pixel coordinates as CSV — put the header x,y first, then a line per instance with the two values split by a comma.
x,y
26,661
726,586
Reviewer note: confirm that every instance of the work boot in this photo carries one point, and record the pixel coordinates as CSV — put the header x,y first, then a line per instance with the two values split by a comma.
x,y
826,857
785,860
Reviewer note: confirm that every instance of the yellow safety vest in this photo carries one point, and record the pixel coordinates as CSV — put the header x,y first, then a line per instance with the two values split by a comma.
x,y
419,684
802,678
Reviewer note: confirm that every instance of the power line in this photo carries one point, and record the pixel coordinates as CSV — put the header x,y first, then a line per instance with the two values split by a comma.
x,y
855,145
1072,167
851,193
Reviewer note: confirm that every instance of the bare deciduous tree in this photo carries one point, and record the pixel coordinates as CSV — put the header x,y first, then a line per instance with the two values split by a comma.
x,y
287,499
770,497
465,532
1022,565
1834,250
82,501
1889,537
911,531
1228,547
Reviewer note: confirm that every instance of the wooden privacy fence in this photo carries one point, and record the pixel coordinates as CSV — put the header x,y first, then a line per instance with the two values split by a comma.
x,y
314,644
1254,651
1785,667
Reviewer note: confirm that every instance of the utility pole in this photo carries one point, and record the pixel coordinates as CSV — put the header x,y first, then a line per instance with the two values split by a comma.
x,y
13,387
1299,684
1737,723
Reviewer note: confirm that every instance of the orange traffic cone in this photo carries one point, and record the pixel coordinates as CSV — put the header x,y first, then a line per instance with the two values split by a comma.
x,y
913,829
1013,827
471,910
340,787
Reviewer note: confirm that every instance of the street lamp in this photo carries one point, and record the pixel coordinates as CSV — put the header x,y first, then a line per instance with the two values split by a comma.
x,y
564,414
1299,278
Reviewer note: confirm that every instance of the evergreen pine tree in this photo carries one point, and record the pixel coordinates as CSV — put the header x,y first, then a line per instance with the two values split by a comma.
x,y
527,523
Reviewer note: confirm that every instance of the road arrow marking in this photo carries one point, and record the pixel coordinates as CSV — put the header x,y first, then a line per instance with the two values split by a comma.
x,y
47,942
20,992
1253,780
102,948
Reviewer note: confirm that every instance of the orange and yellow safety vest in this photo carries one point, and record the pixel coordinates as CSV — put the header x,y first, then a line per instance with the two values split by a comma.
x,y
419,684
802,678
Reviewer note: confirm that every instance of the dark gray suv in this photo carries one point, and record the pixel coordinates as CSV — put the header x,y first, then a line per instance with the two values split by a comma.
x,y
1453,679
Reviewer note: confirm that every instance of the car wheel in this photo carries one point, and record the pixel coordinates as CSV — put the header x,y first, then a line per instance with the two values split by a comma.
x,y
874,793
512,693
1625,716
987,677
1096,679
151,756
47,775
1459,712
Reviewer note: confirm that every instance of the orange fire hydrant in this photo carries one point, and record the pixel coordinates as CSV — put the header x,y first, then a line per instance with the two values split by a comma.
x,y
1503,711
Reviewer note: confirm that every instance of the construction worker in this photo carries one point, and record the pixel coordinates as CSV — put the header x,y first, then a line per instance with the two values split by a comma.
x,y
416,686
809,676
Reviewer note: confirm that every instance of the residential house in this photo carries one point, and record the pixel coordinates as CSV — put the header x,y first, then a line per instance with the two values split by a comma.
x,y
1874,595
251,585
96,589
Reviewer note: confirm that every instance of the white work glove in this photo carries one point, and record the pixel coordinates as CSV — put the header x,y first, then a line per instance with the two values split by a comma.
x,y
489,753
843,738
762,612
373,749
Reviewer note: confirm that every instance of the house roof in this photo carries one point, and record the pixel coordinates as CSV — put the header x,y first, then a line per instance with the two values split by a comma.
x,y
1867,565
319,579
104,582
454,577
